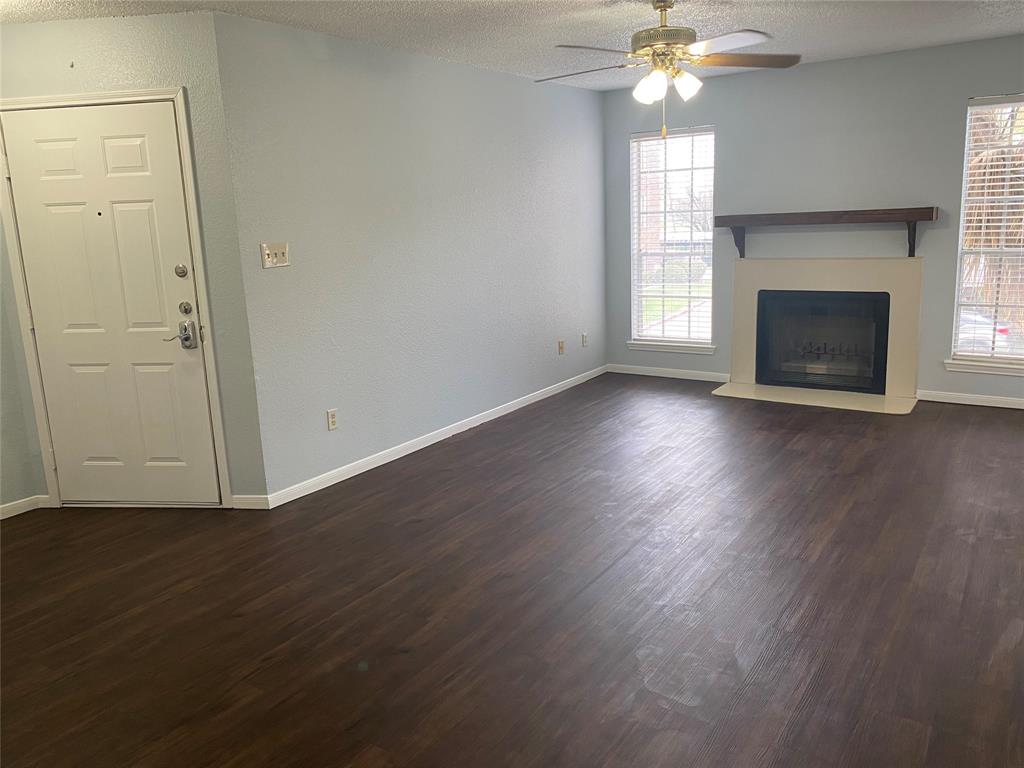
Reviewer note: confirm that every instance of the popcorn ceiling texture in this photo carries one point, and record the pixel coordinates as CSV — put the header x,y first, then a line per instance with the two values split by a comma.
x,y
518,36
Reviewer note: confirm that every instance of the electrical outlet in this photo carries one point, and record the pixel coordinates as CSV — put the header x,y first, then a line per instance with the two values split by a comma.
x,y
583,340
332,419
274,255
561,347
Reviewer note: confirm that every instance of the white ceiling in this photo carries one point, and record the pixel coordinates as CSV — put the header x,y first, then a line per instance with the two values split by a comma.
x,y
518,36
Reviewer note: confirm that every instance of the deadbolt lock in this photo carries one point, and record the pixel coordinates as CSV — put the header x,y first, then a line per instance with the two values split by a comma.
x,y
185,308
181,270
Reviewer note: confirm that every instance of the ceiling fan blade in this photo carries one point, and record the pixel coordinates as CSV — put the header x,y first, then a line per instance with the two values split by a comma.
x,y
592,48
770,60
588,71
728,42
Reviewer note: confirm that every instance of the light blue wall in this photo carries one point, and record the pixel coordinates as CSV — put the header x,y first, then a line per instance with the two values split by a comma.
x,y
448,225
160,52
445,227
21,467
876,132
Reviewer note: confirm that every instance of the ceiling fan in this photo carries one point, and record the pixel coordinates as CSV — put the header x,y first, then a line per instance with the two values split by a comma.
x,y
666,49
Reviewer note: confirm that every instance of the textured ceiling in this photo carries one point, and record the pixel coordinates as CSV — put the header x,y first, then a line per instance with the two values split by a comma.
x,y
518,36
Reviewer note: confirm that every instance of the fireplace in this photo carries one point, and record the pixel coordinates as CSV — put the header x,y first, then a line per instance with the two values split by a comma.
x,y
786,310
823,339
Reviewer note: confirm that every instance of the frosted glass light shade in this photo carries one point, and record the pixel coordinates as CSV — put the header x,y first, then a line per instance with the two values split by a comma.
x,y
652,88
687,85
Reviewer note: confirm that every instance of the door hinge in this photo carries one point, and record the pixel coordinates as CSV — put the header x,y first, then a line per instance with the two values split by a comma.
x,y
53,460
7,168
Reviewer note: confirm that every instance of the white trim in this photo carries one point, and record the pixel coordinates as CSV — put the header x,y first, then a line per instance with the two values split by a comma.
x,y
976,102
12,508
71,503
89,99
672,346
250,502
203,313
177,97
999,368
685,131
668,373
320,482
983,101
961,398
693,130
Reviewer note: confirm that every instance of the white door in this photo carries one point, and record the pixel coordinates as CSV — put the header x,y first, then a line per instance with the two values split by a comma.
x,y
100,208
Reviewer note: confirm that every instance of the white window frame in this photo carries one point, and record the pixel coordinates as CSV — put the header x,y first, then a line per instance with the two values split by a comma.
x,y
964,362
688,346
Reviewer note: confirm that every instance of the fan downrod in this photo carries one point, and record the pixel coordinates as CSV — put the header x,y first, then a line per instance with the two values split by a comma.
x,y
661,38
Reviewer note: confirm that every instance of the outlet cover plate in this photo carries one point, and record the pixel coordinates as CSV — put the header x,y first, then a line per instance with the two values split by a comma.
x,y
274,255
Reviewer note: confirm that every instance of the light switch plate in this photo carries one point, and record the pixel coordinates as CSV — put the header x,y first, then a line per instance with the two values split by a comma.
x,y
274,255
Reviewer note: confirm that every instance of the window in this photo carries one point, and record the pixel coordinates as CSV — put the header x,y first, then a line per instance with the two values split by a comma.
x,y
990,284
671,193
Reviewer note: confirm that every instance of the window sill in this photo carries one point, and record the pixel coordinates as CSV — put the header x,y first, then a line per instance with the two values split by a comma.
x,y
672,346
999,367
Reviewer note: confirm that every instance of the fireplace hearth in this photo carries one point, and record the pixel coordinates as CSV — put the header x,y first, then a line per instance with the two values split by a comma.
x,y
823,339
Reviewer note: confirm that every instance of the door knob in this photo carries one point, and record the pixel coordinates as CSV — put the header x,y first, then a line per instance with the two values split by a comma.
x,y
186,335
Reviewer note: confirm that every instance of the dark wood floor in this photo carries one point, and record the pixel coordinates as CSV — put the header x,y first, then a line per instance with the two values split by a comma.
x,y
632,573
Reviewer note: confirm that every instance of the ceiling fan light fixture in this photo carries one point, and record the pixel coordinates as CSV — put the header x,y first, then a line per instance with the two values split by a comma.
x,y
666,48
651,88
687,85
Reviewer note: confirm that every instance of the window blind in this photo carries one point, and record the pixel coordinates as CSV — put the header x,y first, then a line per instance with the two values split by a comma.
x,y
990,285
671,215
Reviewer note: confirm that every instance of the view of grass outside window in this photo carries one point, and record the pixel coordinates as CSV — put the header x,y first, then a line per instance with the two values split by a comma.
x,y
671,194
990,289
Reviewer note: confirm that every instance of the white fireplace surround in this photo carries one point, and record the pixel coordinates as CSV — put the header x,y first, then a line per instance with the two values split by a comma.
x,y
899,277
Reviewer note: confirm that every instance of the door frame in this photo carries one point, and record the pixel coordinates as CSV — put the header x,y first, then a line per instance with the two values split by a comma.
x,y
176,96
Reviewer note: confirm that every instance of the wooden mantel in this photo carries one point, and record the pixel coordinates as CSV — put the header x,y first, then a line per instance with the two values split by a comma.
x,y
738,223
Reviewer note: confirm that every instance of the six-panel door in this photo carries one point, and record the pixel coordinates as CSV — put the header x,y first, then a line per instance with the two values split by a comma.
x,y
100,207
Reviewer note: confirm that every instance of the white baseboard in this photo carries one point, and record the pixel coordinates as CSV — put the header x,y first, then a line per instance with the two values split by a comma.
x,y
277,498
993,401
12,508
668,373
250,502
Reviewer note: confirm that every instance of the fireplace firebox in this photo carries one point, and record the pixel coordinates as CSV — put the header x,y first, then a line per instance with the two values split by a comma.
x,y
823,339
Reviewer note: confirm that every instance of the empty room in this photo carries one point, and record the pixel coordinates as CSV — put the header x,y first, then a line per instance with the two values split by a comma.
x,y
512,383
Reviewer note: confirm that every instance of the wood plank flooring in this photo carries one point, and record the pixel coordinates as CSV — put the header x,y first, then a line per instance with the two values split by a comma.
x,y
631,573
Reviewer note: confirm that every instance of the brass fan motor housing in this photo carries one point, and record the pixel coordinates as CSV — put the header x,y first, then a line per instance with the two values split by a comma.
x,y
647,41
